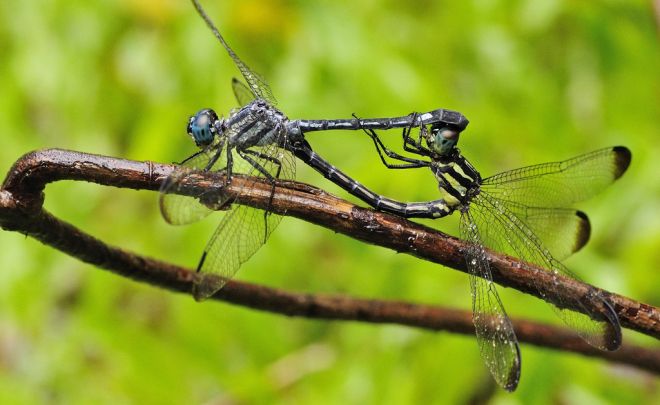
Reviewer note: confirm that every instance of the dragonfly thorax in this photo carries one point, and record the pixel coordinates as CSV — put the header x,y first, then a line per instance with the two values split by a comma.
x,y
256,124
458,181
204,126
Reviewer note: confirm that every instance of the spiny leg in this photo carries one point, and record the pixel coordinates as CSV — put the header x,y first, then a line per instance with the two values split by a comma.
x,y
271,159
191,157
411,144
208,195
230,166
216,156
382,149
244,154
201,262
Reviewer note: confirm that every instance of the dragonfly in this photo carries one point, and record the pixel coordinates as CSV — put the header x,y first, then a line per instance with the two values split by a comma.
x,y
260,142
521,213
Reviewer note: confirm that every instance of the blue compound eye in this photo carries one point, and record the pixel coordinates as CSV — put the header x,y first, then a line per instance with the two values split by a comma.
x,y
201,127
445,140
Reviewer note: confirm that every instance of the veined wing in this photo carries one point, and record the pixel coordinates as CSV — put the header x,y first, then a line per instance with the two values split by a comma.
x,y
243,230
560,184
502,230
495,335
257,84
242,92
179,209
238,236
562,231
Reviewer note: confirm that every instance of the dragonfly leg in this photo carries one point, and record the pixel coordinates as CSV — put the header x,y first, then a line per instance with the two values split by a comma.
x,y
230,166
215,157
245,155
382,149
210,198
191,157
413,145
201,262
410,144
263,156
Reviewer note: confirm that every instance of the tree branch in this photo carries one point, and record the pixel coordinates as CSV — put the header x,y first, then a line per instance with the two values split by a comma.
x,y
21,200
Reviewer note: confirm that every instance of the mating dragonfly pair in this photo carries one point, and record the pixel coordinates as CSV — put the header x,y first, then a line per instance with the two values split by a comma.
x,y
519,212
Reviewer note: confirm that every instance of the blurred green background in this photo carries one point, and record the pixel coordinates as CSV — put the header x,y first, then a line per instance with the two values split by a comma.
x,y
540,81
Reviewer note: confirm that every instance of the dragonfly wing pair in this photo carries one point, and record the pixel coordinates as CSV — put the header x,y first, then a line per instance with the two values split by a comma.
x,y
243,229
519,213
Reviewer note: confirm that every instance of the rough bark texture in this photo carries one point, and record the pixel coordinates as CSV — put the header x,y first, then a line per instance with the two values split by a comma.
x,y
21,200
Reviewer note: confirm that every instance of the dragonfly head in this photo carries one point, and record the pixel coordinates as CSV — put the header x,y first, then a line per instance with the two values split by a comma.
x,y
203,127
442,140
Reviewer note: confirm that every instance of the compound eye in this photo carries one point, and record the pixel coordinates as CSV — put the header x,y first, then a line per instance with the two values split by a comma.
x,y
201,127
446,140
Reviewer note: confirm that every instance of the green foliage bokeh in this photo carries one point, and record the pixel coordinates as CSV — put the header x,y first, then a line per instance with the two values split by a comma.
x,y
540,81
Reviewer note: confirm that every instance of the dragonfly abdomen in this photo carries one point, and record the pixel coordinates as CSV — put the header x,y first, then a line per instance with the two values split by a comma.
x,y
426,209
439,117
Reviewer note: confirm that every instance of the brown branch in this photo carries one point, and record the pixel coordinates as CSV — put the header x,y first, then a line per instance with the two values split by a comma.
x,y
21,210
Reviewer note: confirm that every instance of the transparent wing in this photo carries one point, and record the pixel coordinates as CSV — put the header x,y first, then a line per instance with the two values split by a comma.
x,y
239,235
495,335
256,83
504,231
242,93
562,231
243,230
560,184
179,209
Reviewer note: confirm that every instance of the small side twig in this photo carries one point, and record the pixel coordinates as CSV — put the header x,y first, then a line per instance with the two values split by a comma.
x,y
21,199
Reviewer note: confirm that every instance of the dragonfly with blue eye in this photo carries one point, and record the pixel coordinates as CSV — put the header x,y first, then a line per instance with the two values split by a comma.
x,y
259,141
520,213
502,212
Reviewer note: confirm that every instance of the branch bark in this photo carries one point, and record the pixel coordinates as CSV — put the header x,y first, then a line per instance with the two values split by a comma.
x,y
22,195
